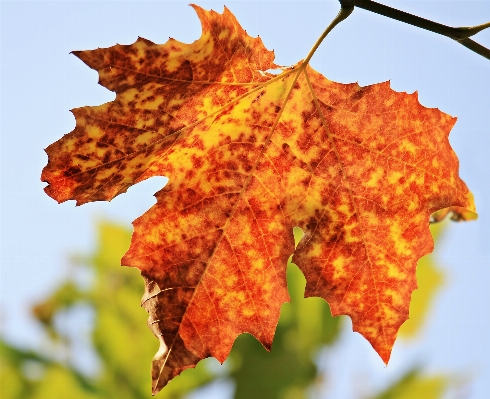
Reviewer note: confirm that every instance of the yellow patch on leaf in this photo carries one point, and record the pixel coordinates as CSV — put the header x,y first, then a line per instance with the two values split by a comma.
x,y
249,156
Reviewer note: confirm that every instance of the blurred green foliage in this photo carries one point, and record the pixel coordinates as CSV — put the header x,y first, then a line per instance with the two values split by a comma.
x,y
124,345
415,386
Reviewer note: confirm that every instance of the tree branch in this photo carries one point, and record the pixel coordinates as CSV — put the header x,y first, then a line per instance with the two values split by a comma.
x,y
460,34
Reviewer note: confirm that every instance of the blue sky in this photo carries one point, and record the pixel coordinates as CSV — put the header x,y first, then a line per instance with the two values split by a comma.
x,y
41,82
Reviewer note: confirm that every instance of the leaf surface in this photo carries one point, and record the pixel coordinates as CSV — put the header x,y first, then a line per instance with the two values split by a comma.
x,y
249,156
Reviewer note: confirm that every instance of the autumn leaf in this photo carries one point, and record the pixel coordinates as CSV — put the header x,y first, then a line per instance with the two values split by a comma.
x,y
249,156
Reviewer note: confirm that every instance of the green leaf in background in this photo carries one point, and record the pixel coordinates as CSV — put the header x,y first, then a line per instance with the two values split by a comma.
x,y
415,386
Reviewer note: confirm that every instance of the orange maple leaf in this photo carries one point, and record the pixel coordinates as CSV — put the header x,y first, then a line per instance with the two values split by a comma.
x,y
249,156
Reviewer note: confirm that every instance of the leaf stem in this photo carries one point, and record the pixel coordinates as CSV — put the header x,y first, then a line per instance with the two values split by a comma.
x,y
460,34
344,12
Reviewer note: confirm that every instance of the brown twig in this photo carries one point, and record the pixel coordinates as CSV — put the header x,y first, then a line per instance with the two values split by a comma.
x,y
460,34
